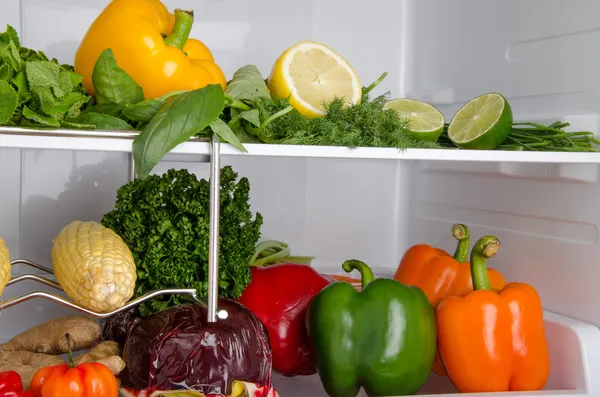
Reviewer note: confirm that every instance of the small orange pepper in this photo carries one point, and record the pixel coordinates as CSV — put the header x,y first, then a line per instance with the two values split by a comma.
x,y
68,380
493,341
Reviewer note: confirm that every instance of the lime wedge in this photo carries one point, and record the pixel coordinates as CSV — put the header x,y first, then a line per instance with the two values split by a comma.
x,y
482,123
425,122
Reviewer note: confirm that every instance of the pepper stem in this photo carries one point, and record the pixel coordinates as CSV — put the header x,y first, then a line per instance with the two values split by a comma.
x,y
485,248
461,233
366,274
70,353
181,28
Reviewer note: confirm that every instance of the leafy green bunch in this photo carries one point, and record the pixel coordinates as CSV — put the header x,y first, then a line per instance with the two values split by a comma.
x,y
35,90
164,220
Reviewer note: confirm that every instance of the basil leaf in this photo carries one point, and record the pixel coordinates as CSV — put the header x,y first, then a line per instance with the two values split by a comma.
x,y
113,84
143,111
252,116
221,128
175,123
101,121
8,101
112,109
40,118
248,84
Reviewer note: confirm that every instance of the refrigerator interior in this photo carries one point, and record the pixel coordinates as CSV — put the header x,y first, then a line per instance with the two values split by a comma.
x,y
538,53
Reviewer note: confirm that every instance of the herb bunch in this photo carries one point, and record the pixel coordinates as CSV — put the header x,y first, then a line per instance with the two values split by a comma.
x,y
36,91
164,220
366,124
530,136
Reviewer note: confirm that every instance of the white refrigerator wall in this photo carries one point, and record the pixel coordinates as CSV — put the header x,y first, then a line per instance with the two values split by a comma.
x,y
538,53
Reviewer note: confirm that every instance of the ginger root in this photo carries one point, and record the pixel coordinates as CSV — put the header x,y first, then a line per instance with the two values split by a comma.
x,y
49,337
106,353
26,363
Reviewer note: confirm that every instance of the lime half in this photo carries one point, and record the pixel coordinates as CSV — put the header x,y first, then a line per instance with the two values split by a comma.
x,y
482,123
425,122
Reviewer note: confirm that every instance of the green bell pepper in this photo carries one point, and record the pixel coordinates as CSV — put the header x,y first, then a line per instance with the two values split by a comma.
x,y
382,338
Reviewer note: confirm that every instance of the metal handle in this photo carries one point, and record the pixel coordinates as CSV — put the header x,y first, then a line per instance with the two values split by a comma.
x,y
213,244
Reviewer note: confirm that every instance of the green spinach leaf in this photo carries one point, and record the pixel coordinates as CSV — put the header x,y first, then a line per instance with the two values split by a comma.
x,y
221,128
247,84
113,84
101,121
176,122
8,101
143,111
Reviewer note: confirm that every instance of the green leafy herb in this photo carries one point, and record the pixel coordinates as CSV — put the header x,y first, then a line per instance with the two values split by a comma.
x,y
164,220
143,111
10,54
5,72
112,109
10,35
529,136
8,101
175,123
38,118
46,92
224,132
247,84
113,84
101,121
253,116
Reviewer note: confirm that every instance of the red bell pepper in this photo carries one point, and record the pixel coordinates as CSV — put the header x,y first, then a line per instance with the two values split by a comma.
x,y
279,295
17,393
12,386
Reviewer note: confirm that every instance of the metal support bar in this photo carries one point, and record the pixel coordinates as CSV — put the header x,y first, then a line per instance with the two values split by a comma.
x,y
64,302
213,247
190,292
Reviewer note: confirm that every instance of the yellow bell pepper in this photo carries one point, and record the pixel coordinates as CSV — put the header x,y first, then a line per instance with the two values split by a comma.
x,y
148,43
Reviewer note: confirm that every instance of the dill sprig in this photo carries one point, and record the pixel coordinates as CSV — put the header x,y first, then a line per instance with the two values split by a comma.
x,y
366,124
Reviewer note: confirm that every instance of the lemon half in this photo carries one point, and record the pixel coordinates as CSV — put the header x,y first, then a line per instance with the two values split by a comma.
x,y
310,74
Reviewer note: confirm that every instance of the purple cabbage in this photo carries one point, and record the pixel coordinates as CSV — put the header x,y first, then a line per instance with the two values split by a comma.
x,y
178,349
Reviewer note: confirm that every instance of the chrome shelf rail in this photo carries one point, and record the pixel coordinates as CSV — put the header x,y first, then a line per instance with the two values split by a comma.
x,y
211,304
190,292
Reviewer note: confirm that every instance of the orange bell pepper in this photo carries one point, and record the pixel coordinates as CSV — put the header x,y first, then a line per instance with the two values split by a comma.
x,y
413,260
66,380
437,273
149,44
493,341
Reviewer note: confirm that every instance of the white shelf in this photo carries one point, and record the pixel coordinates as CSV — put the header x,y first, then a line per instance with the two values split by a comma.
x,y
120,141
